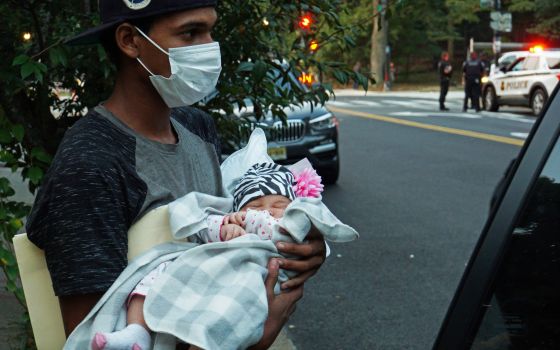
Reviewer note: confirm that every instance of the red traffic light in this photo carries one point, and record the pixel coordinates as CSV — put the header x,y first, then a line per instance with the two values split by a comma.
x,y
305,22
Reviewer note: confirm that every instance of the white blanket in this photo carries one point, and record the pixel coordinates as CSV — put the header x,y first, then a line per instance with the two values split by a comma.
x,y
213,296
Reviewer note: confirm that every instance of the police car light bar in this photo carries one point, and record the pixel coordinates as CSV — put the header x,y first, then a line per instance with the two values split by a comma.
x,y
536,49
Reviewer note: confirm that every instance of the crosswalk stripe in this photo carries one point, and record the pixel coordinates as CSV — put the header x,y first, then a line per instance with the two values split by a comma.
x,y
521,135
435,114
410,104
339,104
367,103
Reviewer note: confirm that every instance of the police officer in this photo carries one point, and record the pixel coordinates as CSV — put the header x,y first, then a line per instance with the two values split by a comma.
x,y
445,70
473,69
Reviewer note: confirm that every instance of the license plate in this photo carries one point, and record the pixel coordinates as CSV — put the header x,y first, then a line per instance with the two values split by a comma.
x,y
278,153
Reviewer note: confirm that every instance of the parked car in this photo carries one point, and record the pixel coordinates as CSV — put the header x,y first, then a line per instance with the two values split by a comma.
x,y
509,295
310,131
527,81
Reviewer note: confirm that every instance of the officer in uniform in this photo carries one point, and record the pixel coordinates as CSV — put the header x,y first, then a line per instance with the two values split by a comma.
x,y
473,69
445,70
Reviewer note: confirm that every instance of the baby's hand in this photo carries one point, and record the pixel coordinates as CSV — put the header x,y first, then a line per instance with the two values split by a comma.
x,y
231,231
235,218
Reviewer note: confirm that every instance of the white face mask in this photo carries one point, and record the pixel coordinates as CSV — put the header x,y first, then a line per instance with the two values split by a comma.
x,y
194,73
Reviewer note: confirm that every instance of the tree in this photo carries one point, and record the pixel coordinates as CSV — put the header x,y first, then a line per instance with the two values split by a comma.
x,y
47,85
379,41
459,11
547,16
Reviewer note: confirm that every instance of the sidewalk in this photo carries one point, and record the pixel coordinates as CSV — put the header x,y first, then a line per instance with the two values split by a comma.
x,y
10,322
12,312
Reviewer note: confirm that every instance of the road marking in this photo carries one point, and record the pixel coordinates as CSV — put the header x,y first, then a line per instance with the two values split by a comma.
x,y
339,104
367,103
473,134
508,116
521,135
435,114
410,104
431,103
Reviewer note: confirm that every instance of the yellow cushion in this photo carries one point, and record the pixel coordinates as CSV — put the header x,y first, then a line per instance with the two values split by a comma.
x,y
43,306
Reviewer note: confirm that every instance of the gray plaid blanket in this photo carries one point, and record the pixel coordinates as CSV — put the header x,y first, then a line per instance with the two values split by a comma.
x,y
211,295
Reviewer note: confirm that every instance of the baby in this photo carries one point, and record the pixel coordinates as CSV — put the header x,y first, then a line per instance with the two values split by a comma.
x,y
259,201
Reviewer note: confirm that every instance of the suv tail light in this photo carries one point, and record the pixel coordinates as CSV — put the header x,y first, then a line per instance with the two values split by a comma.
x,y
558,76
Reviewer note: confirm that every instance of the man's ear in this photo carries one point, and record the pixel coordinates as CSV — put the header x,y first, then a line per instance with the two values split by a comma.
x,y
126,38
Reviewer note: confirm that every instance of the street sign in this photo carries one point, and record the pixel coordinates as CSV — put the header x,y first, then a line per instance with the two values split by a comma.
x,y
501,21
486,4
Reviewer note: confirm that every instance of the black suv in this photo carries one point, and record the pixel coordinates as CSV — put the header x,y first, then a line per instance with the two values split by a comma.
x,y
509,296
310,131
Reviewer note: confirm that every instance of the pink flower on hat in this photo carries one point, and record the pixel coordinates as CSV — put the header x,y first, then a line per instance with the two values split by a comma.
x,y
308,183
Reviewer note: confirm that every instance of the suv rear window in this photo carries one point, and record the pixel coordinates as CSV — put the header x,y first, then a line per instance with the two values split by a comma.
x,y
553,62
531,63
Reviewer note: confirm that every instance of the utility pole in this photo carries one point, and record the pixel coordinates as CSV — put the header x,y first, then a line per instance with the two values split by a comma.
x,y
378,59
497,36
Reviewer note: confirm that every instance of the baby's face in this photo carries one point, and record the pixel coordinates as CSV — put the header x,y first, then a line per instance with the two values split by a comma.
x,y
274,203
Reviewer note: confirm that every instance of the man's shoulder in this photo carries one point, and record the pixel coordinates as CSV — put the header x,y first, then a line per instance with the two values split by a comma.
x,y
95,140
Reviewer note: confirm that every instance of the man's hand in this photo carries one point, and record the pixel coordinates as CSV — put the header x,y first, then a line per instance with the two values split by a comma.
x,y
280,307
231,231
312,256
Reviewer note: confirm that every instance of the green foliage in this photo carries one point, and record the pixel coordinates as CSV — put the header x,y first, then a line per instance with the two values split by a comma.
x,y
47,85
547,15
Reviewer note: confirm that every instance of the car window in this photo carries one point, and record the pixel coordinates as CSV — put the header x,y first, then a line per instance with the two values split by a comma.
x,y
553,62
524,311
517,65
507,60
531,63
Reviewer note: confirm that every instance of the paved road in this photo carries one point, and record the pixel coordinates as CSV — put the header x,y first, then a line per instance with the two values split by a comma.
x,y
416,184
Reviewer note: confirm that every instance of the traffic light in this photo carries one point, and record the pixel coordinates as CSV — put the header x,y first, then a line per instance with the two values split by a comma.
x,y
306,78
313,45
305,22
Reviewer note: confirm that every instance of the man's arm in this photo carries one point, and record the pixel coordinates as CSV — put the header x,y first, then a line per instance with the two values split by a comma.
x,y
280,307
75,308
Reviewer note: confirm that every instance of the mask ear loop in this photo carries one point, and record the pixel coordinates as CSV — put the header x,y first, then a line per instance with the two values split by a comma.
x,y
153,43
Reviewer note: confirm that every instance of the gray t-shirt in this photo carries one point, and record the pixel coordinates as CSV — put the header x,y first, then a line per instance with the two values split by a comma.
x,y
104,177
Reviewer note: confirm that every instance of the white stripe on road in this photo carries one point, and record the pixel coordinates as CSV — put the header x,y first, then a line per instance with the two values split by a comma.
x,y
367,103
404,103
435,114
508,116
339,104
521,135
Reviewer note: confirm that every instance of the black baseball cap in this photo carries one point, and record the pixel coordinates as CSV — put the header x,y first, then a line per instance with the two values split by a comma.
x,y
113,12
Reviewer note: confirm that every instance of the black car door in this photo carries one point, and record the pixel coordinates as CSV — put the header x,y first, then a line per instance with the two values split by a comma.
x,y
509,296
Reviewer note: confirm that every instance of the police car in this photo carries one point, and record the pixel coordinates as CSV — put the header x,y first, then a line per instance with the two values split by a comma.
x,y
527,81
